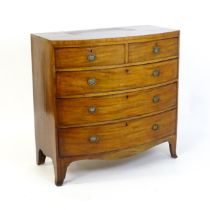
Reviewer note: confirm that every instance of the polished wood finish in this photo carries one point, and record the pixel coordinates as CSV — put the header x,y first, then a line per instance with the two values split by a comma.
x,y
74,83
78,57
44,104
108,36
44,100
116,66
127,74
76,111
75,141
145,51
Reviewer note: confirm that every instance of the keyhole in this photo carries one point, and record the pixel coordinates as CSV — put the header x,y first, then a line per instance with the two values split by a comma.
x,y
128,71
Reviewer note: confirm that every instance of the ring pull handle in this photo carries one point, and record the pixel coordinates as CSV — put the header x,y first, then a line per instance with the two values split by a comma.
x,y
156,73
92,109
156,49
91,57
155,127
156,99
91,81
93,139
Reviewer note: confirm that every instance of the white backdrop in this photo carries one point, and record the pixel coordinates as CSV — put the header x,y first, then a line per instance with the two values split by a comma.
x,y
151,180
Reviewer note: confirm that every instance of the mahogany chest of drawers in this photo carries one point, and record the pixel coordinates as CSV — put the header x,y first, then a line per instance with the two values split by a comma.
x,y
104,94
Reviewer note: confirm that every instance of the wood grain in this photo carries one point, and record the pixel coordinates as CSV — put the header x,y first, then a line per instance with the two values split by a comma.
x,y
77,57
117,66
121,153
44,97
144,51
76,111
122,95
119,91
44,106
116,154
73,83
108,36
75,141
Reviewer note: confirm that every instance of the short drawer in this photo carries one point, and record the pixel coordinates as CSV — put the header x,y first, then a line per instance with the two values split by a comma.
x,y
109,137
139,52
89,56
94,81
85,110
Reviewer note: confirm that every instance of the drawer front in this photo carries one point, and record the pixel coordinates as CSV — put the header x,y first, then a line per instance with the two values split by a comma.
x,y
96,109
89,56
104,138
139,52
84,82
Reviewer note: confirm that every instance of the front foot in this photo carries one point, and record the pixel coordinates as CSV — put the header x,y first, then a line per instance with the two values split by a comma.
x,y
172,147
59,183
174,156
60,167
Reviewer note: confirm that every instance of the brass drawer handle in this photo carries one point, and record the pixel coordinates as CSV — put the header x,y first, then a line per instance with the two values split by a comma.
x,y
91,57
155,127
94,139
91,81
156,49
156,99
156,73
92,109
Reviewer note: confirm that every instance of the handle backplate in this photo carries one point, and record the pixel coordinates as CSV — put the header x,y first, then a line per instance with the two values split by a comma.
x,y
156,73
156,99
94,139
155,127
91,57
91,81
92,109
156,49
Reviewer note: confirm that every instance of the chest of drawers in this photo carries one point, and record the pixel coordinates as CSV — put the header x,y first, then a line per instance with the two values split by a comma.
x,y
104,94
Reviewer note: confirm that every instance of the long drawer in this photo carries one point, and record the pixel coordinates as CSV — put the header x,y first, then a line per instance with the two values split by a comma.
x,y
84,82
109,137
84,110
147,51
89,56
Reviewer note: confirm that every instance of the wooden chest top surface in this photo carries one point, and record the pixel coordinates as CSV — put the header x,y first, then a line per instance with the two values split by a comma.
x,y
108,34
